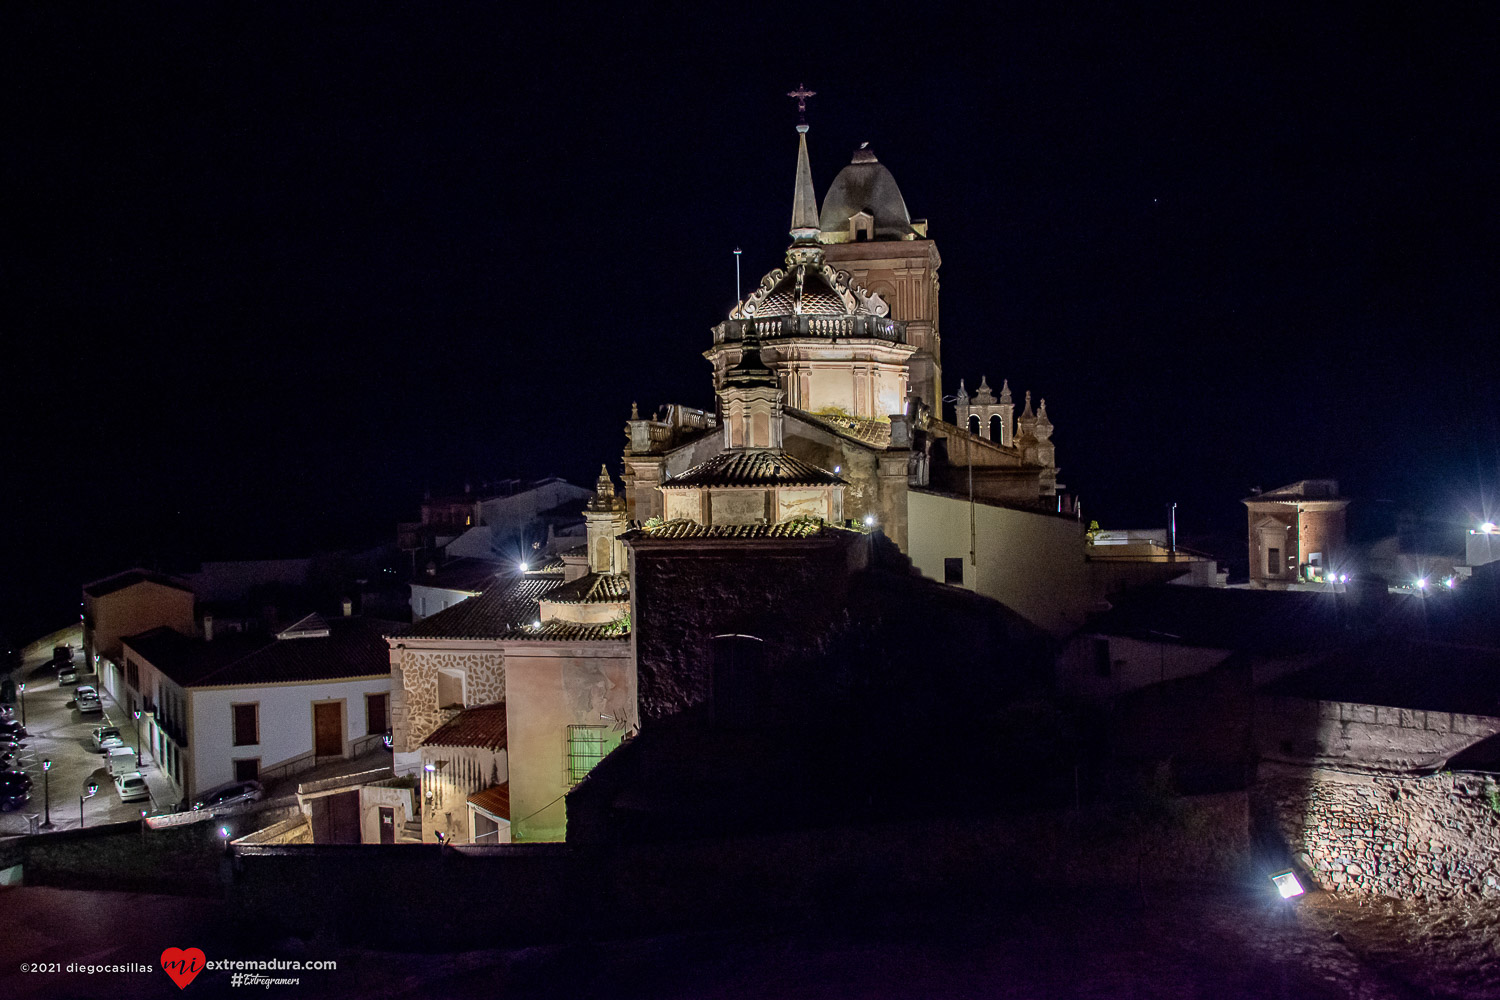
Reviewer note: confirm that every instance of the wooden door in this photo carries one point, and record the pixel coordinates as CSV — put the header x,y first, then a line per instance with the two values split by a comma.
x,y
328,730
387,825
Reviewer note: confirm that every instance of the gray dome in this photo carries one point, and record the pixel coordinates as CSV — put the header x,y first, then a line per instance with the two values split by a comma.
x,y
865,185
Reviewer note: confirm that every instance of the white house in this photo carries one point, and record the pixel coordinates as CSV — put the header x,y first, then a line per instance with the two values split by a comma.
x,y
235,707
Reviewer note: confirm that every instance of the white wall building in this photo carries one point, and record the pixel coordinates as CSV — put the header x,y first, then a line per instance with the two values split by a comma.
x,y
237,707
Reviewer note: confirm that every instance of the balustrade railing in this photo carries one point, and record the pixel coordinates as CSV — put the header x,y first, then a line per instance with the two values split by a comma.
x,y
877,327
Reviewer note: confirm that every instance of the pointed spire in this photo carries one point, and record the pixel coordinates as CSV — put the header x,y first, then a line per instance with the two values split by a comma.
x,y
1005,392
804,199
1026,413
605,487
963,397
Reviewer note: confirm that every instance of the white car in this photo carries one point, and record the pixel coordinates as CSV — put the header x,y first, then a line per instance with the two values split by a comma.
x,y
87,700
107,738
132,786
67,674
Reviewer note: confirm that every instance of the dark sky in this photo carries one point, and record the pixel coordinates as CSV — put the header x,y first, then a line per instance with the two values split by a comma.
x,y
275,268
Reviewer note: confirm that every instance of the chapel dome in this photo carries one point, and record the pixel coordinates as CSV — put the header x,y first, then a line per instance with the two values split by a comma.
x,y
817,297
865,185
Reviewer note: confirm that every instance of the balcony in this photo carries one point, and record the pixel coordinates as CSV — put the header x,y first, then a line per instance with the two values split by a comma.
x,y
864,327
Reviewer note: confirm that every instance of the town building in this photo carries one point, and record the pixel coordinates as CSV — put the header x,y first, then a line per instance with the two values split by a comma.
x,y
242,706
504,701
126,604
1297,535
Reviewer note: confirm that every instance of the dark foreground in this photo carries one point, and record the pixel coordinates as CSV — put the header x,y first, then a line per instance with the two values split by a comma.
x,y
1213,944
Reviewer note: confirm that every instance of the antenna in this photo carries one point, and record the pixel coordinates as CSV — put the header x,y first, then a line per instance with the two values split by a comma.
x,y
736,274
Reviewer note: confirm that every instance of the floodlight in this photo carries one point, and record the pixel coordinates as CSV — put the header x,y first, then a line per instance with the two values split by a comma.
x,y
1488,527
1287,884
523,567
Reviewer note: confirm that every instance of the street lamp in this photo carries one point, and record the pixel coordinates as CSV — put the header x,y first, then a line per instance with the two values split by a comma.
x,y
88,792
137,714
23,704
47,793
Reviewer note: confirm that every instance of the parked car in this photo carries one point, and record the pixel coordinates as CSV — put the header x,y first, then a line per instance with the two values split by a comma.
x,y
68,674
10,729
62,654
87,700
10,746
107,738
232,794
131,786
13,797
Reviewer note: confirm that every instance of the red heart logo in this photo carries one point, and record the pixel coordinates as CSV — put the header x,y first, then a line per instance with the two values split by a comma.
x,y
183,965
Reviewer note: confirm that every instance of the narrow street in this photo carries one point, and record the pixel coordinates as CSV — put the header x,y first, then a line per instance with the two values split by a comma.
x,y
61,734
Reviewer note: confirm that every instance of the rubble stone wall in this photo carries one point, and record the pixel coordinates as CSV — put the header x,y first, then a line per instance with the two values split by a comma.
x,y
1430,836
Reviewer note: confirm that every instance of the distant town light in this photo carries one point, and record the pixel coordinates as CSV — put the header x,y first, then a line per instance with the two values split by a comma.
x,y
224,832
1343,578
1448,582
1422,583
523,567
1488,527
1287,884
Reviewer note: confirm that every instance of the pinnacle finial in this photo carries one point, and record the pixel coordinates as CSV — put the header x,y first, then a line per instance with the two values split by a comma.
x,y
804,198
1026,411
1005,390
605,487
635,413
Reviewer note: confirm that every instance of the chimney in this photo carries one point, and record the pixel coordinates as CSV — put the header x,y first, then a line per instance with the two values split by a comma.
x,y
208,628
348,607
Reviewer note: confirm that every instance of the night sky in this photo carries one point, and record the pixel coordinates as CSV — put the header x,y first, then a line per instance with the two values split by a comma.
x,y
275,269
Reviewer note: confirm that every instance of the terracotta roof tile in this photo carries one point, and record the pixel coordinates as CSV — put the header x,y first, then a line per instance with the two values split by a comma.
x,y
494,800
481,726
871,431
594,588
798,528
752,468
503,606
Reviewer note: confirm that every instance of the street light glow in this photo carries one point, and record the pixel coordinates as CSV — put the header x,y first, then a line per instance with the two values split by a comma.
x,y
1488,527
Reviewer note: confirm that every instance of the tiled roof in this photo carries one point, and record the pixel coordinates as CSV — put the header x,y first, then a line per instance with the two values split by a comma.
x,y
871,431
505,605
494,800
130,578
480,726
577,550
548,566
593,588
353,647
798,528
752,468
557,630
1303,490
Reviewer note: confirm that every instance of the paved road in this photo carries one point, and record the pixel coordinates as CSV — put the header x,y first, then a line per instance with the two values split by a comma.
x,y
61,734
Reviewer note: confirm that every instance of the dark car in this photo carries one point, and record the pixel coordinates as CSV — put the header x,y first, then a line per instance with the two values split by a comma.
x,y
15,779
12,730
12,798
233,794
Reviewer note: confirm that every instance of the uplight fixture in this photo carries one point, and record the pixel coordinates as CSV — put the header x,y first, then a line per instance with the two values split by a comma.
x,y
1287,884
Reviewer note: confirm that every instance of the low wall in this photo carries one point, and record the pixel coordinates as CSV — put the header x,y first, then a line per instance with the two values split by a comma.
x,y
430,897
1430,836
126,857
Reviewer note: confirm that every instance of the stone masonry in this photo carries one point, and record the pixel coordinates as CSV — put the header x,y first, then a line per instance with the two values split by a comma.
x,y
484,684
1432,836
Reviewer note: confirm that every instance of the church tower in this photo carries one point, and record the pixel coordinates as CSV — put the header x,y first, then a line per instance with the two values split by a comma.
x,y
868,232
829,341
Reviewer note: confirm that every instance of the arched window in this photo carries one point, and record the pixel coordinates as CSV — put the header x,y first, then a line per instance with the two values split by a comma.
x,y
997,428
974,424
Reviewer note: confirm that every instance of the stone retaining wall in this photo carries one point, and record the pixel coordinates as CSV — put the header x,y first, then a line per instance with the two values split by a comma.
x,y
1432,836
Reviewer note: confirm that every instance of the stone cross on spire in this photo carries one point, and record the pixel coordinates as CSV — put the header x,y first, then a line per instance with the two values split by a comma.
x,y
802,94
